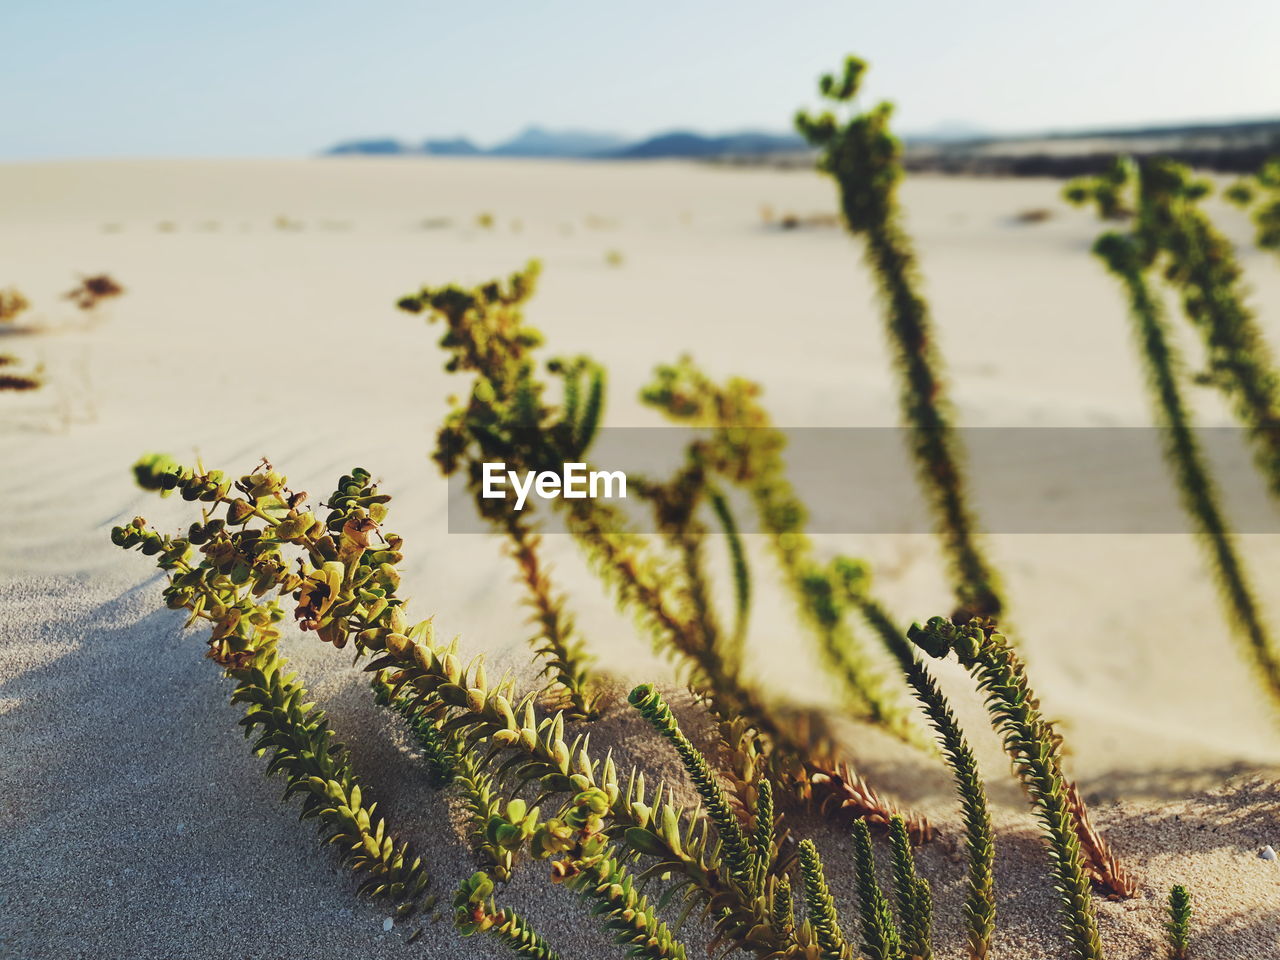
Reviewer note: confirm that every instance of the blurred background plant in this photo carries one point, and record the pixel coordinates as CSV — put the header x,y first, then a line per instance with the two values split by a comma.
x,y
1171,244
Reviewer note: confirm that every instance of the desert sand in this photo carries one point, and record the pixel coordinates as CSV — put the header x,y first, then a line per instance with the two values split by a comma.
x,y
260,320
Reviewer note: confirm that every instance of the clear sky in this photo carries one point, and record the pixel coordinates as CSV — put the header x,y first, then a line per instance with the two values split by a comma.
x,y
287,77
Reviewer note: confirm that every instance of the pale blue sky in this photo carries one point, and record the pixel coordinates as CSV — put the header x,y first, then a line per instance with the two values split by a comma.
x,y
287,77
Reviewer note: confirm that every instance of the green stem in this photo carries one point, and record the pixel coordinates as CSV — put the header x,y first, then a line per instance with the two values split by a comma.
x,y
1123,256
880,939
627,912
737,848
820,907
865,159
317,766
1031,741
979,904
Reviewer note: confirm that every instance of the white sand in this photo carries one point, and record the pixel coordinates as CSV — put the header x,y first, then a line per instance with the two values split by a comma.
x,y
137,824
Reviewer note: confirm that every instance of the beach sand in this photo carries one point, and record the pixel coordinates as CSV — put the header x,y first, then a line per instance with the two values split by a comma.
x,y
260,320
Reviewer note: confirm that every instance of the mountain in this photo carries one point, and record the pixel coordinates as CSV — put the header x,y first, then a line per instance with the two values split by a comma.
x,y
376,147
539,142
685,143
948,131
457,147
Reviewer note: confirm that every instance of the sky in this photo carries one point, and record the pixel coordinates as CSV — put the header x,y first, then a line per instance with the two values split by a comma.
x,y
91,78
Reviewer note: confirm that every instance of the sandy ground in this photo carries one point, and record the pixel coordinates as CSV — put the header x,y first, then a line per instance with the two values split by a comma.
x,y
260,320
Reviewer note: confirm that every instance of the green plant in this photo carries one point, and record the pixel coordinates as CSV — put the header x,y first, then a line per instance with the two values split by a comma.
x,y
591,866
1031,740
913,896
908,936
509,417
358,603
1199,263
609,835
820,905
734,641
670,595
645,821
1133,257
1262,192
499,826
475,912
633,851
556,641
865,159
220,590
743,448
318,767
738,850
439,750
880,939
1179,923
979,905
345,592
860,152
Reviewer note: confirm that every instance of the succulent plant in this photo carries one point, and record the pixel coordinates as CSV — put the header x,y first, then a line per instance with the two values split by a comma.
x,y
1031,740
1179,924
861,154
257,548
509,416
533,792
1171,236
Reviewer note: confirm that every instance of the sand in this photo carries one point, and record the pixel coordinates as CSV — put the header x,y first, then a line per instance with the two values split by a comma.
x,y
259,320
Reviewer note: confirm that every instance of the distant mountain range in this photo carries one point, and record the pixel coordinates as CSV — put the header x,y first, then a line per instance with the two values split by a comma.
x,y
952,146
539,142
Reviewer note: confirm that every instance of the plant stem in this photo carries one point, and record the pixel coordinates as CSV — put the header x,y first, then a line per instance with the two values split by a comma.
x,y
1125,257
865,159
1031,741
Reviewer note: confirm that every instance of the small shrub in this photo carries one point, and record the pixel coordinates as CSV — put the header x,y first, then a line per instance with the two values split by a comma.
x,y
12,305
1034,215
1179,923
864,157
632,851
17,383
1171,239
1031,740
256,551
1262,193
92,290
12,382
509,415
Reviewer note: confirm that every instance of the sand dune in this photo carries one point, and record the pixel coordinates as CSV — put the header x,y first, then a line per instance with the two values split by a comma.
x,y
260,320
